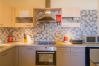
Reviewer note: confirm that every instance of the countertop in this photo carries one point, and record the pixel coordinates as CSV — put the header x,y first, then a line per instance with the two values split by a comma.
x,y
6,46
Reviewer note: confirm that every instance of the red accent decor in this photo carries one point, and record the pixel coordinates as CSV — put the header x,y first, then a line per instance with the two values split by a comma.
x,y
58,18
65,38
10,38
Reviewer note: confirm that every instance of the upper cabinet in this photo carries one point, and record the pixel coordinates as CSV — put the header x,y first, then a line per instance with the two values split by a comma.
x,y
23,17
23,12
71,12
5,15
26,3
67,11
18,13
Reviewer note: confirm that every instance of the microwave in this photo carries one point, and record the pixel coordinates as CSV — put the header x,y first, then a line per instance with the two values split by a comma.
x,y
91,39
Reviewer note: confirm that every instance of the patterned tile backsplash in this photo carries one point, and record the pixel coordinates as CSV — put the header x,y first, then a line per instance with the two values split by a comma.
x,y
47,32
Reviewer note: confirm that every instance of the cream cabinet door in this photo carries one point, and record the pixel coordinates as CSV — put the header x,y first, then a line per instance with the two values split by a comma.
x,y
67,9
16,56
7,58
0,13
5,15
26,56
70,56
23,17
0,60
71,12
77,56
63,56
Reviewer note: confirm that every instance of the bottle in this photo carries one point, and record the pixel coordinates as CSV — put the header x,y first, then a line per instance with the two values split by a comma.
x,y
10,38
25,38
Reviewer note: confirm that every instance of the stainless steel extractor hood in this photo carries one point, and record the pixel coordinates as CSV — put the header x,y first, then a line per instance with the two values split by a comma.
x,y
47,16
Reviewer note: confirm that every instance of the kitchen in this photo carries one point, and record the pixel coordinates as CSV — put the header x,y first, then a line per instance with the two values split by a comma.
x,y
23,34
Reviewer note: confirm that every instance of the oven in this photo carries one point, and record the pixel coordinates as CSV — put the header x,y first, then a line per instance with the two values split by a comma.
x,y
46,56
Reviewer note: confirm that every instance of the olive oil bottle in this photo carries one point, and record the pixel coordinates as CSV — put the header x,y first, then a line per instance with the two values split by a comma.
x,y
25,38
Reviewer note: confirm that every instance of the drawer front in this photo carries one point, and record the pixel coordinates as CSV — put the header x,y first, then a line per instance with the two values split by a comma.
x,y
77,51
63,49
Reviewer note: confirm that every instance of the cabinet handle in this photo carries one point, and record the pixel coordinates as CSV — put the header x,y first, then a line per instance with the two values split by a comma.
x,y
4,54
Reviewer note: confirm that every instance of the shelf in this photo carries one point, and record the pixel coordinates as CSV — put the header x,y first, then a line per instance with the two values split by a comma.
x,y
70,24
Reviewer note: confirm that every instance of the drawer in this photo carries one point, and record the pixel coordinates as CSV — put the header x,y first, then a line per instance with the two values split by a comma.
x,y
63,48
77,49
63,53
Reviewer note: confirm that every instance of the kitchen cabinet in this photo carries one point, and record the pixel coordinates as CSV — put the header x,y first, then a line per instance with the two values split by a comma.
x,y
9,10
16,54
23,17
5,15
63,56
71,12
26,3
0,13
77,56
70,56
26,56
7,57
1,59
70,22
67,11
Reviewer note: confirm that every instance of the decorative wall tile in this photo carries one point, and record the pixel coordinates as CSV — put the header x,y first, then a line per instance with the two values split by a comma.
x,y
48,31
88,26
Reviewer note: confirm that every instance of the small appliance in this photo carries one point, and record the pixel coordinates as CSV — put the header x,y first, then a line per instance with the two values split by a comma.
x,y
91,39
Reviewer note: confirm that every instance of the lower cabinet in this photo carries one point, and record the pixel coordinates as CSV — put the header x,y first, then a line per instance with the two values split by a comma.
x,y
77,56
18,56
70,56
63,56
16,53
26,56
7,58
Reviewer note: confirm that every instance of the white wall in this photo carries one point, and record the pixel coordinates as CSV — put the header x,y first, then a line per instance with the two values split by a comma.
x,y
83,4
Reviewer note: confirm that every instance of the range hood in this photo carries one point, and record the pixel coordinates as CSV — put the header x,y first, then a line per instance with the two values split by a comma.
x,y
47,13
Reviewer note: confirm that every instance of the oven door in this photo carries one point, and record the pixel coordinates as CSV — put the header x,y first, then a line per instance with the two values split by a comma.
x,y
45,57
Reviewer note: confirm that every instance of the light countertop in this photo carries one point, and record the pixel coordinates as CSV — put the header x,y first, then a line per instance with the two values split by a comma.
x,y
6,46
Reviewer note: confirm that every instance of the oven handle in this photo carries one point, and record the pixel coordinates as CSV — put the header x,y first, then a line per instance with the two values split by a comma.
x,y
45,52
